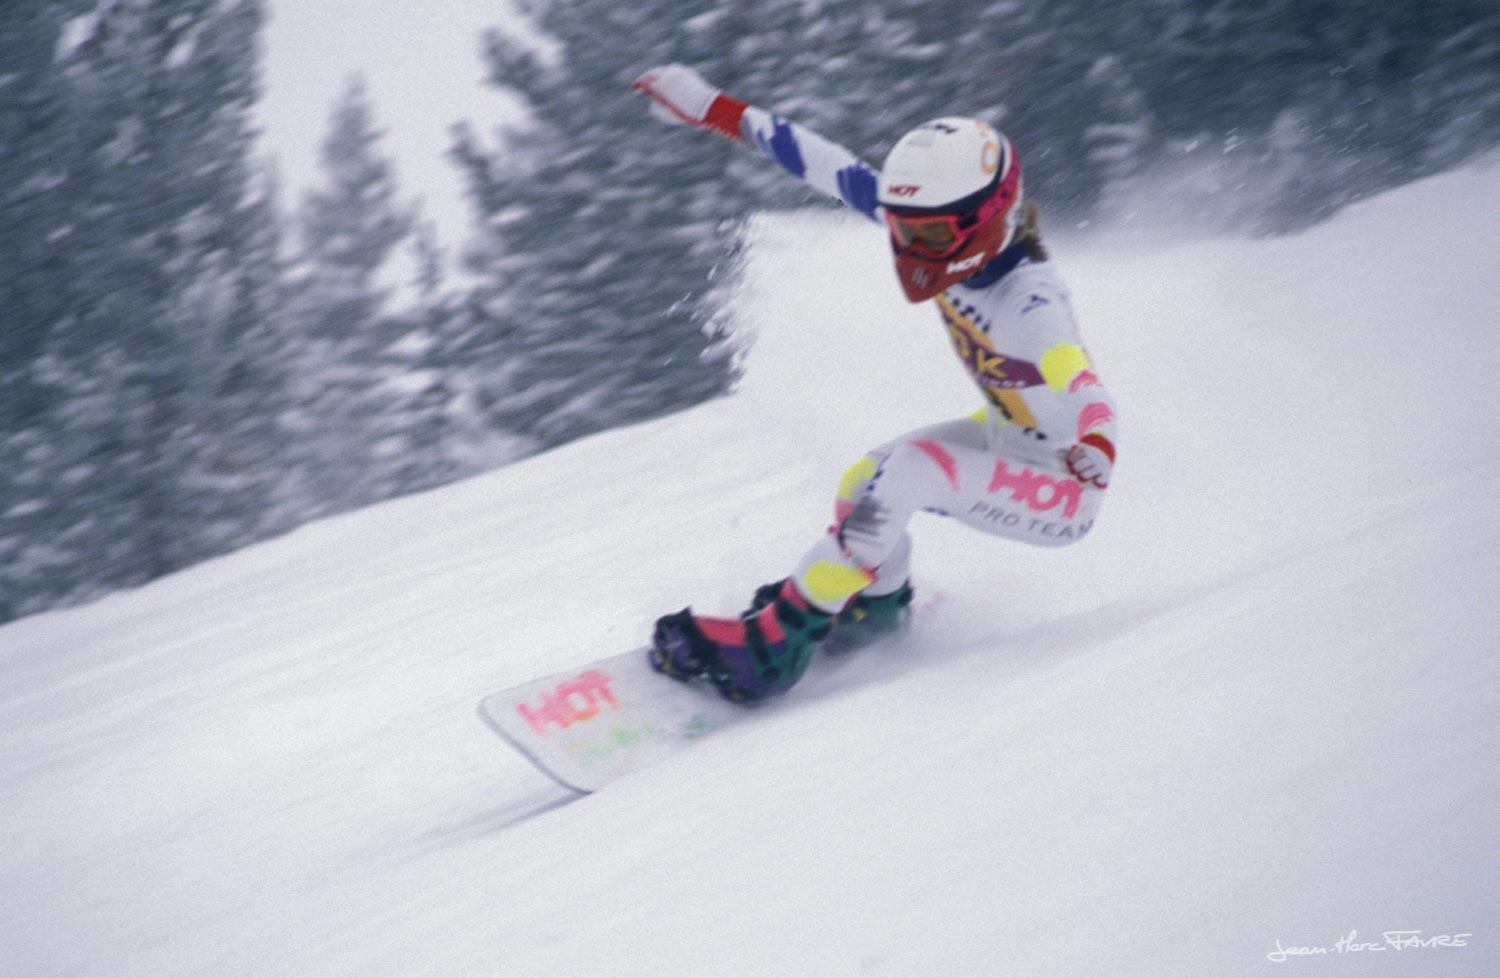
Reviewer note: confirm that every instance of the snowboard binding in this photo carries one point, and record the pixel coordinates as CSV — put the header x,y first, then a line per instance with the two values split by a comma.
x,y
754,657
765,651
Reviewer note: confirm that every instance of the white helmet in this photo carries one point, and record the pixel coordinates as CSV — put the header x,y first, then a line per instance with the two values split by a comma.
x,y
949,189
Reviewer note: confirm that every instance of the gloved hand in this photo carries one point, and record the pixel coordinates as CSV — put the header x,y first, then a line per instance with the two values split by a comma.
x,y
1092,460
679,95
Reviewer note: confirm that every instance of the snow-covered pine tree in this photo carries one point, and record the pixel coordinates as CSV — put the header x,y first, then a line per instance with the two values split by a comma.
x,y
368,406
125,127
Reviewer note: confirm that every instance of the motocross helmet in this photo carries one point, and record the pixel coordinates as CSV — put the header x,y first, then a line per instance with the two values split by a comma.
x,y
950,190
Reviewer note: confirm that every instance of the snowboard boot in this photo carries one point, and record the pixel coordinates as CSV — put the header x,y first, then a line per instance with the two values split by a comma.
x,y
864,619
870,617
751,658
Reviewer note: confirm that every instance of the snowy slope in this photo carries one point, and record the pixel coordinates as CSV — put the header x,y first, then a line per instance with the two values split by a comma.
x,y
1255,709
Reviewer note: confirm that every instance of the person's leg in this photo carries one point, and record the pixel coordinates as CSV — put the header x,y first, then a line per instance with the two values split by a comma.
x,y
1010,490
952,469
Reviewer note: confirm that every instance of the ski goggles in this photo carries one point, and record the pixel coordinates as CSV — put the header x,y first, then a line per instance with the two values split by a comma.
x,y
941,235
937,236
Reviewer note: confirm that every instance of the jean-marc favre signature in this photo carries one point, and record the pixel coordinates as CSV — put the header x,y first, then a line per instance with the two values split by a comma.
x,y
1390,940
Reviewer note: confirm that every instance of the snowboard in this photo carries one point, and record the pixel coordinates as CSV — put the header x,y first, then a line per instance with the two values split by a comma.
x,y
600,721
590,725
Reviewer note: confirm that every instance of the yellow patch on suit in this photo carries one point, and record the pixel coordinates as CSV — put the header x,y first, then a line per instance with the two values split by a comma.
x,y
829,584
855,476
1061,364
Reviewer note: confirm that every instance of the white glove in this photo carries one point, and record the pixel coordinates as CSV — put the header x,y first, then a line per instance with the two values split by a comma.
x,y
1092,460
680,96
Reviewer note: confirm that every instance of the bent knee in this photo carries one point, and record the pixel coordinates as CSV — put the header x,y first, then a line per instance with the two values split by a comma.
x,y
853,483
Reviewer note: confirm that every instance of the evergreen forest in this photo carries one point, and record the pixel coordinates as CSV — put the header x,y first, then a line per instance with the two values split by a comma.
x,y
192,359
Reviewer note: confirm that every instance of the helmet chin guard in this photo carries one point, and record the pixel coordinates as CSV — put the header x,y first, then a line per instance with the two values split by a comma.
x,y
949,189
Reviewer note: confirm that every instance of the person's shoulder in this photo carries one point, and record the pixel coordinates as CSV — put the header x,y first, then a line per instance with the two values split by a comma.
x,y
1020,274
1029,297
1043,275
1039,269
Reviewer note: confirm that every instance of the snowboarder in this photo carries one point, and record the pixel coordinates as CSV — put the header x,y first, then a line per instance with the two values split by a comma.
x,y
1031,465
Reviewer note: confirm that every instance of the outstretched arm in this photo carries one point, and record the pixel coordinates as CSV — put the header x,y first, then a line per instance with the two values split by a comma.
x,y
680,96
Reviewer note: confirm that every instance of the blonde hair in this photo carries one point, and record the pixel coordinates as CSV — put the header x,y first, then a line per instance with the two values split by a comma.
x,y
1029,233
